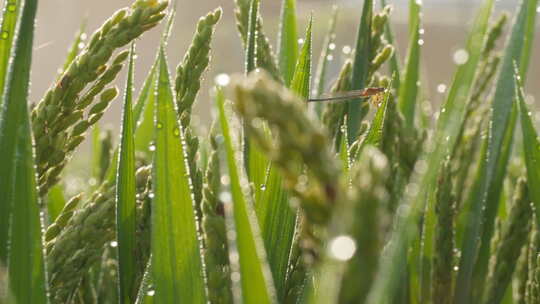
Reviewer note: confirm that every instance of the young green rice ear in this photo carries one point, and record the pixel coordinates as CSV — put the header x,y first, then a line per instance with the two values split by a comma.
x,y
188,82
86,77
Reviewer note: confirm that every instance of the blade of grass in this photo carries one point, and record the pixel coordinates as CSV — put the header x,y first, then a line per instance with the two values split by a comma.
x,y
322,65
144,108
360,68
255,277
423,182
411,76
531,149
125,194
344,155
251,47
302,73
55,202
495,160
394,60
287,40
15,82
18,185
177,266
9,21
26,266
251,64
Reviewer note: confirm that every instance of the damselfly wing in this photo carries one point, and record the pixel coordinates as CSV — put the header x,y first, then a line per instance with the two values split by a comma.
x,y
375,93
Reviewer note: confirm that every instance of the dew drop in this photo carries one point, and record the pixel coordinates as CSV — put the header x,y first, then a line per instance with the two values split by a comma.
x,y
330,57
456,268
176,132
151,293
263,187
151,195
421,31
441,88
152,147
80,45
346,50
418,2
114,244
538,9
222,79
84,36
12,7
461,56
235,276
342,248
159,125
332,46
5,35
420,41
300,41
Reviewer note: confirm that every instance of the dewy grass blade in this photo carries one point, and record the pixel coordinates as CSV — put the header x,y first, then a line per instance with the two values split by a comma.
x,y
26,266
251,48
360,67
14,103
499,124
251,64
408,91
125,194
177,264
423,182
287,40
55,202
255,277
322,65
394,60
302,73
531,149
18,185
9,21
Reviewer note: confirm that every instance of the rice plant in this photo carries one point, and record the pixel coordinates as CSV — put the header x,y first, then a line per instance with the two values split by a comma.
x,y
290,197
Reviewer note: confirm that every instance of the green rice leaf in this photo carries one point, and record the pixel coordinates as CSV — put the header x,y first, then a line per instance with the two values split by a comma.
x,y
20,230
143,112
344,149
277,220
495,160
55,202
394,60
423,182
255,278
322,65
409,90
287,40
177,266
144,108
302,73
26,264
125,195
251,47
531,149
9,20
360,67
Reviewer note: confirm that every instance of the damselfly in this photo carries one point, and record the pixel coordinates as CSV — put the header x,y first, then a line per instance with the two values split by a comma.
x,y
376,93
